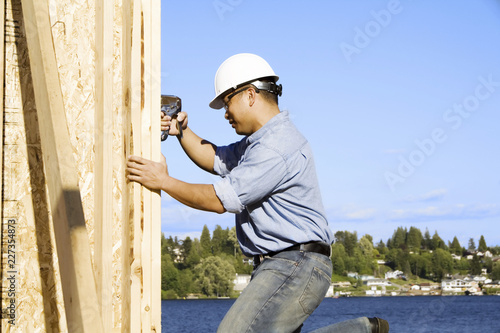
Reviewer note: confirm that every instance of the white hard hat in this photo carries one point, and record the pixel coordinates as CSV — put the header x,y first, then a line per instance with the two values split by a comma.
x,y
237,70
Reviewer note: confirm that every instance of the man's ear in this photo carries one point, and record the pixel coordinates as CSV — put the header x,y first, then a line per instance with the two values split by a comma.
x,y
252,95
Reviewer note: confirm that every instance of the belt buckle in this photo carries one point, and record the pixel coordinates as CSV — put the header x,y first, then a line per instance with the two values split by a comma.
x,y
257,260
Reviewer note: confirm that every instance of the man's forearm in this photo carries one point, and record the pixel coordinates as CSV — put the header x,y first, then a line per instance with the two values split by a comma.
x,y
198,196
200,151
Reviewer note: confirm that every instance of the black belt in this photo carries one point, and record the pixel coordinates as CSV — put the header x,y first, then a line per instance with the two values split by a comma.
x,y
316,247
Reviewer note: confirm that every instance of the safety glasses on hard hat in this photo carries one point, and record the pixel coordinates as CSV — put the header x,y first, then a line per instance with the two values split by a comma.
x,y
226,103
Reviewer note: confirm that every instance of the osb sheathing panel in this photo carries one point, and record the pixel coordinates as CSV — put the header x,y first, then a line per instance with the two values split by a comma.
x,y
40,306
24,191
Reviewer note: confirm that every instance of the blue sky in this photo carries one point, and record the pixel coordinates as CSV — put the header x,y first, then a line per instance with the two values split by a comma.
x,y
399,100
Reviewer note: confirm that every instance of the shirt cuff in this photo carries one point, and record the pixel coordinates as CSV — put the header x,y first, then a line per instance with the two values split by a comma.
x,y
226,194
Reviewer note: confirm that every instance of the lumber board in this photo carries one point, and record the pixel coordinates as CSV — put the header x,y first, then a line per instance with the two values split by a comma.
x,y
146,153
156,155
77,278
103,167
2,76
126,197
133,212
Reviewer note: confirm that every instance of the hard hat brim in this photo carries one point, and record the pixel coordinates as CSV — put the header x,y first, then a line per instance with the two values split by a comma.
x,y
217,102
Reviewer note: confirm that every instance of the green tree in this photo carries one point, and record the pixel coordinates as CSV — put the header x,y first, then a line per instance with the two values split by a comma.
x,y
233,239
382,249
169,274
495,272
475,265
462,266
339,266
339,257
215,276
442,263
218,240
186,283
206,243
437,242
366,246
168,245
348,239
472,245
396,258
399,238
407,268
421,264
455,246
482,244
414,239
427,240
194,256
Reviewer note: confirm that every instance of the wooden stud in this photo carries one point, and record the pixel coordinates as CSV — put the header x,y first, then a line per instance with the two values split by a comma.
x,y
127,207
133,209
72,242
103,165
2,76
146,117
156,155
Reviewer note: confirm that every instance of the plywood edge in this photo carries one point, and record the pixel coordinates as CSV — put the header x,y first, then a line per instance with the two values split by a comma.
x,y
103,167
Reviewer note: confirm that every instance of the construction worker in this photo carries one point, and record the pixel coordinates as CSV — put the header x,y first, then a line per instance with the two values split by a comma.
x,y
269,181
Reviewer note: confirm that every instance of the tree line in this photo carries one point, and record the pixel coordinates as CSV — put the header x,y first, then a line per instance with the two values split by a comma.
x,y
204,267
207,266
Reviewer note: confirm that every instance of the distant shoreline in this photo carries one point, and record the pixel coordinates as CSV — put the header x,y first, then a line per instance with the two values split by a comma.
x,y
352,296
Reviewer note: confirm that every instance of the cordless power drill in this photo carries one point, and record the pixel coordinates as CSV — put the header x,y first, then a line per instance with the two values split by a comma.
x,y
170,106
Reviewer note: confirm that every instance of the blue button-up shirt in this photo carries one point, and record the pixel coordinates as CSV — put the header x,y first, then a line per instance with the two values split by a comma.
x,y
269,180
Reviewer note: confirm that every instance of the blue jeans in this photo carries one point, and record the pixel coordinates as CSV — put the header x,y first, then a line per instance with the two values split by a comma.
x,y
283,292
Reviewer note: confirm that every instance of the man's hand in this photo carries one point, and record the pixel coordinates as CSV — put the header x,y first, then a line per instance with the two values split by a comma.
x,y
172,125
150,174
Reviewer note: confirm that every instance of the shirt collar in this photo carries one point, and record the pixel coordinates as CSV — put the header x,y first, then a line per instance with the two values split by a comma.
x,y
279,118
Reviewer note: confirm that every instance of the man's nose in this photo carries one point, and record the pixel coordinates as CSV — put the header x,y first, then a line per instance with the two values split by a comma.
x,y
226,115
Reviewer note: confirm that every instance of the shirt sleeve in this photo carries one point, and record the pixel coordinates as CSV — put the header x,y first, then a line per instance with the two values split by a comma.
x,y
254,178
227,157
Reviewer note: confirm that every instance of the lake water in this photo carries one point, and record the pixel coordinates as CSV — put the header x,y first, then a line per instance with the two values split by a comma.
x,y
475,314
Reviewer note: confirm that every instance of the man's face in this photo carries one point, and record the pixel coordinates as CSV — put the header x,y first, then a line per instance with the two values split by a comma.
x,y
236,111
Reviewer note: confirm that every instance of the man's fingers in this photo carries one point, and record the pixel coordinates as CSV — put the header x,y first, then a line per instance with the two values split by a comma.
x,y
181,116
136,159
174,127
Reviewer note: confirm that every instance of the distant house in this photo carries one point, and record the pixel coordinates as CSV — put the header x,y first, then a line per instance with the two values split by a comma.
x,y
248,260
341,284
352,275
454,256
374,292
480,278
393,274
241,281
459,285
377,282
484,254
492,284
177,255
425,286
329,292
365,277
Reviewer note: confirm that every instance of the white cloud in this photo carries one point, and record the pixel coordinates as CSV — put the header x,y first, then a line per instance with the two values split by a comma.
x,y
454,212
351,213
434,195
